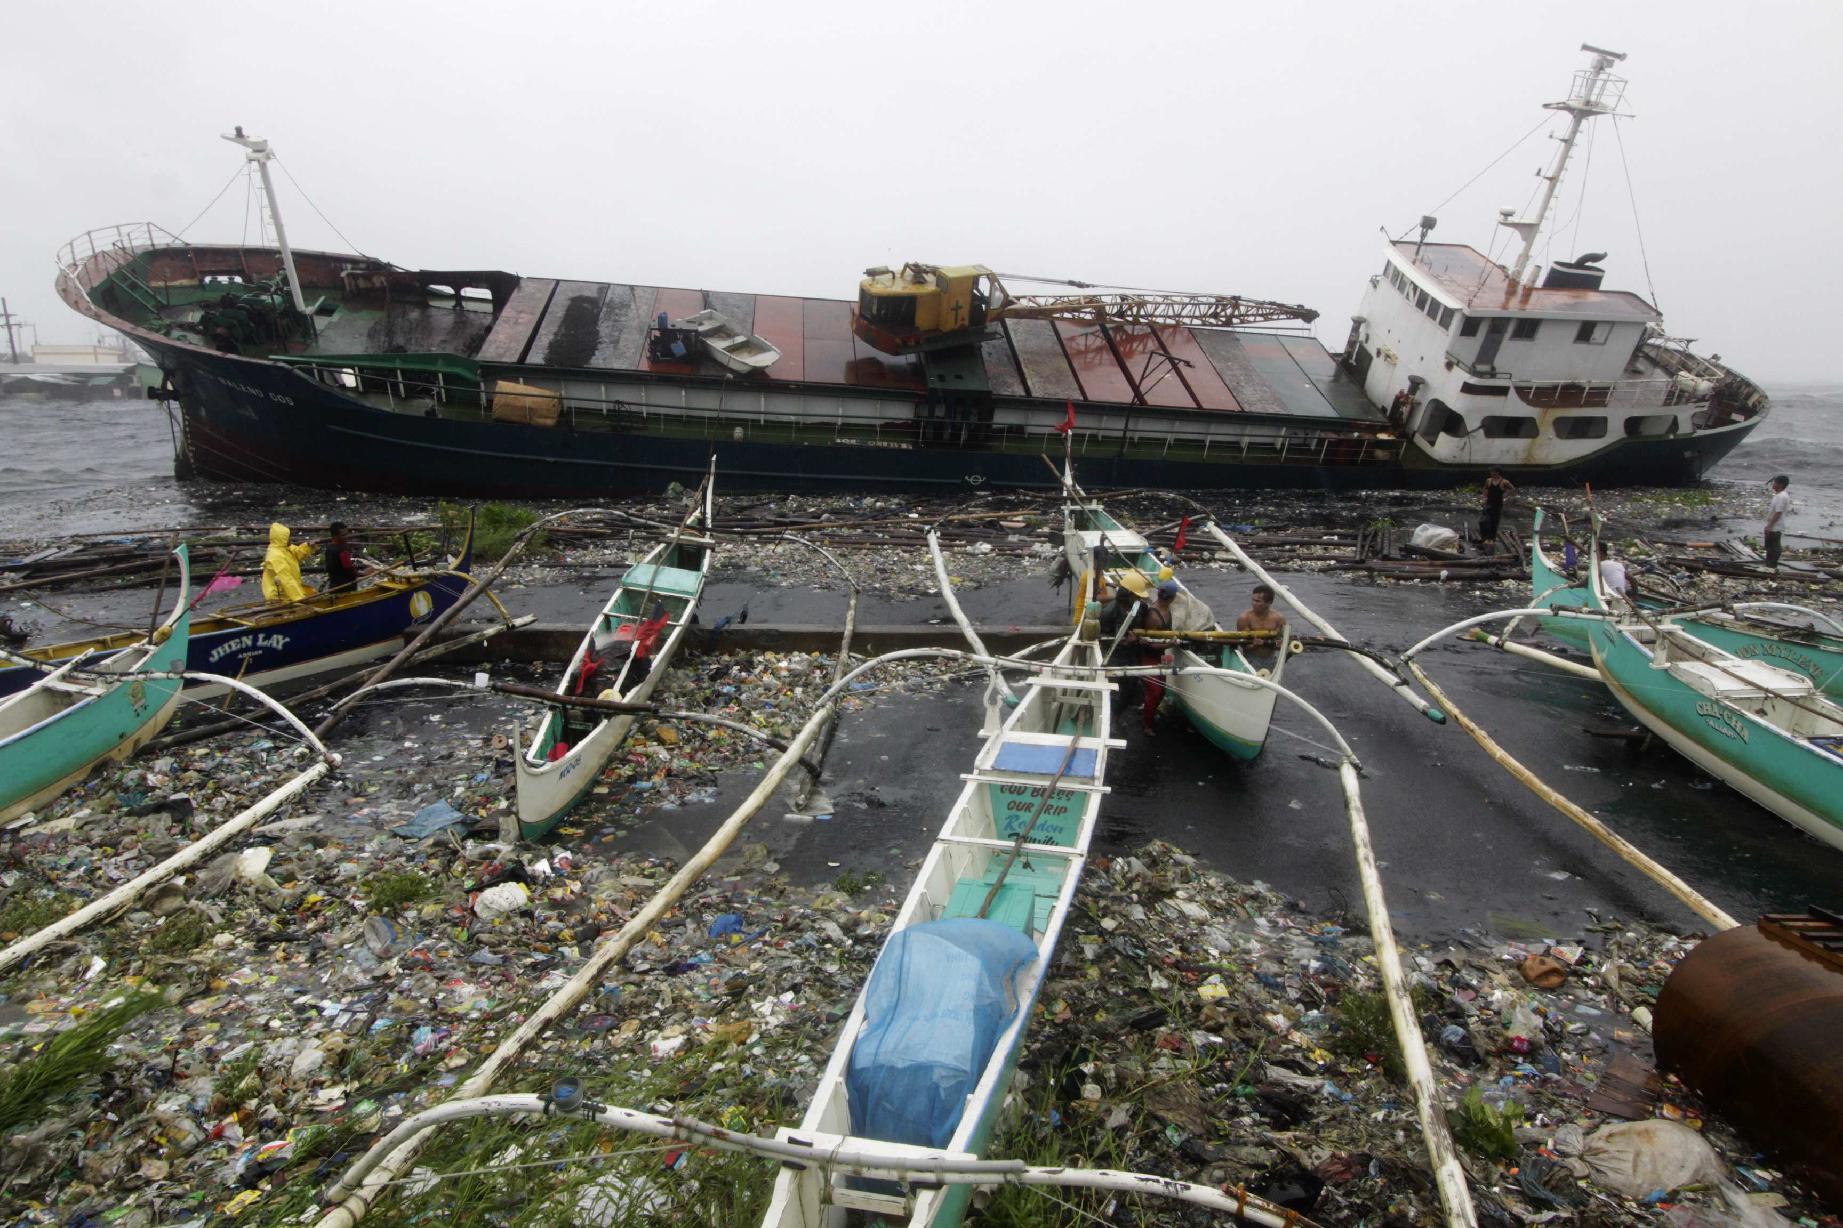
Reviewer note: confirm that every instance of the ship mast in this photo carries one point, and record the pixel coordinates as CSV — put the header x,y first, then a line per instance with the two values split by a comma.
x,y
1595,92
258,151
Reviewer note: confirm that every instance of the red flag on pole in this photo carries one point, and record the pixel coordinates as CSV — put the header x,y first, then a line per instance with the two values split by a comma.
x,y
1183,534
1068,423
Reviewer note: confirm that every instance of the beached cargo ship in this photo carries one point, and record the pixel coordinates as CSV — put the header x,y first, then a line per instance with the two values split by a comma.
x,y
343,371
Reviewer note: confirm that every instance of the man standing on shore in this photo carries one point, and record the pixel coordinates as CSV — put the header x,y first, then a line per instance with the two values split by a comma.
x,y
1778,511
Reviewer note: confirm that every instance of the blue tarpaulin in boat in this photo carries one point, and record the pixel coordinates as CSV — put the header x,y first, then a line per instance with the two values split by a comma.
x,y
937,1001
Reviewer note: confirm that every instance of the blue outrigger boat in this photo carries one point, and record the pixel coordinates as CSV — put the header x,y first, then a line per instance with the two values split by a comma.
x,y
1766,731
932,1043
273,642
55,730
1818,655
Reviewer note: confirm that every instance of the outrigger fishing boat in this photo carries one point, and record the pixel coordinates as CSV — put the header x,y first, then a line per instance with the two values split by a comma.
x,y
273,642
929,1049
626,651
1234,716
66,722
1766,731
1816,654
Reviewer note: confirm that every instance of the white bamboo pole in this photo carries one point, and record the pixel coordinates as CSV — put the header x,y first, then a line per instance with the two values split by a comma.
x,y
1692,899
1448,1175
1534,654
837,1152
187,856
959,615
1382,675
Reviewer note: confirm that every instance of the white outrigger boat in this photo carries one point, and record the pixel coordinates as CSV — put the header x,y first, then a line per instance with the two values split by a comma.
x,y
925,1058
1234,716
741,352
626,651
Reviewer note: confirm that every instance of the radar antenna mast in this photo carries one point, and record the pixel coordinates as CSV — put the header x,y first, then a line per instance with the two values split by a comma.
x,y
258,151
1595,92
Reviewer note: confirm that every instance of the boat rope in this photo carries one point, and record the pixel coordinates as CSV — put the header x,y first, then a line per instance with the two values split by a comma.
x,y
234,175
1694,900
1631,195
1514,146
1023,837
316,208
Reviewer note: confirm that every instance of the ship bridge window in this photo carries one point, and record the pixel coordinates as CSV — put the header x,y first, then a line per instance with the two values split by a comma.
x,y
1578,427
1446,318
1485,390
1469,327
1592,333
1650,426
1525,330
1508,426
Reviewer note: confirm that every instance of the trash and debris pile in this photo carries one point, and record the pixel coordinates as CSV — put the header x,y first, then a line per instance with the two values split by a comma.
x,y
1214,1031
1192,1026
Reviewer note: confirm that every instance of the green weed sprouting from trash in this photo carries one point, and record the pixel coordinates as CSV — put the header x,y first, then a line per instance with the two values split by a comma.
x,y
389,890
1484,1131
1034,1135
30,1087
851,882
495,525
1364,1028
185,930
31,911
526,1171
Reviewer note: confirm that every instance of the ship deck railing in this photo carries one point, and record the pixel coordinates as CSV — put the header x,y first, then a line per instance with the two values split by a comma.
x,y
1229,439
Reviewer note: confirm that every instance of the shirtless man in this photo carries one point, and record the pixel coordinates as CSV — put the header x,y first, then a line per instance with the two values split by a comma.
x,y
1261,616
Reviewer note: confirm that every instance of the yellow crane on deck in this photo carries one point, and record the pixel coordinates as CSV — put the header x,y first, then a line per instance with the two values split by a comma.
x,y
922,307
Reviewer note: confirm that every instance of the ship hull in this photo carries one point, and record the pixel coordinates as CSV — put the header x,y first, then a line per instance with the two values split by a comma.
x,y
253,420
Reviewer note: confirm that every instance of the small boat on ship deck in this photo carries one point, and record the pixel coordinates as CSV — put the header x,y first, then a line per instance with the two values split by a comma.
x,y
930,1047
53,732
742,352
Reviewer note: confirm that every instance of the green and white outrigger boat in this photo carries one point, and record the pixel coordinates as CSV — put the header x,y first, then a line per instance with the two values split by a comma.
x,y
626,651
1808,650
1766,731
55,731
930,1047
1234,716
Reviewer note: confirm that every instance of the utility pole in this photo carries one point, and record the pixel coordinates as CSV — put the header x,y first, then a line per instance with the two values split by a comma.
x,y
6,317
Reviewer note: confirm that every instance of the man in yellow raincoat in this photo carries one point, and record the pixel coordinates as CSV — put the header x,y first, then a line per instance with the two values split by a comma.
x,y
281,567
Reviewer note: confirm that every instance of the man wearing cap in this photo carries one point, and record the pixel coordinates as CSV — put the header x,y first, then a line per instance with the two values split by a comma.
x,y
1778,511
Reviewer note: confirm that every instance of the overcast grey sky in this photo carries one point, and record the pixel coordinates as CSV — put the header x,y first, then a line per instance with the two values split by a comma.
x,y
1243,148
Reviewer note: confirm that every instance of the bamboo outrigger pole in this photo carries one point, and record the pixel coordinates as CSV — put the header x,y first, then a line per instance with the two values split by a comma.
x,y
1692,899
1393,681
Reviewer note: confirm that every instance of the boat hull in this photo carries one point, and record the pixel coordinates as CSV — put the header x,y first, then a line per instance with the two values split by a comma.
x,y
1234,718
1804,787
251,420
278,651
54,739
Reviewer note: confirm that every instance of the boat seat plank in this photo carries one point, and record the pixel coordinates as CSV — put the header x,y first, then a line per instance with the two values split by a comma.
x,y
1005,846
1046,760
896,1206
1739,679
664,581
1034,782
510,339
